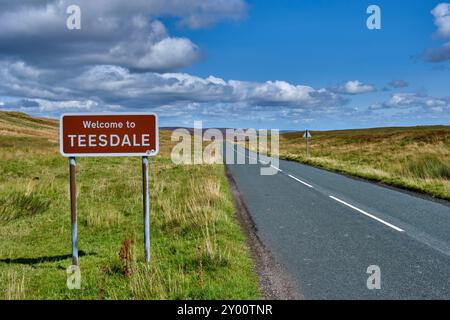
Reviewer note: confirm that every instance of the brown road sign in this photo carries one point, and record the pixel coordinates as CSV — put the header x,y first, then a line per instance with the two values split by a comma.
x,y
114,134
108,135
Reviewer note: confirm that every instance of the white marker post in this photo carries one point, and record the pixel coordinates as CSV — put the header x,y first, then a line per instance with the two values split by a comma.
x,y
307,135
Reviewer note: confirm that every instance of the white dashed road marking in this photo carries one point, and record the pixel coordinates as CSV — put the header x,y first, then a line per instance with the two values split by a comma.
x,y
368,214
303,182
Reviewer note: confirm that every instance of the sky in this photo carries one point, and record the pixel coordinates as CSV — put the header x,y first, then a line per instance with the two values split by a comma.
x,y
283,64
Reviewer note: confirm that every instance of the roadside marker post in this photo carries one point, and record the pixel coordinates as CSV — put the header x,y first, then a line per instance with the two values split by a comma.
x,y
109,135
307,135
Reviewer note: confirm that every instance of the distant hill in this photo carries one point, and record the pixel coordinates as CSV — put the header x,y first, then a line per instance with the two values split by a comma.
x,y
21,124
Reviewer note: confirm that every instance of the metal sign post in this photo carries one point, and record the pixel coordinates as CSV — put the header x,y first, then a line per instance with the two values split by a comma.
x,y
73,211
146,200
109,135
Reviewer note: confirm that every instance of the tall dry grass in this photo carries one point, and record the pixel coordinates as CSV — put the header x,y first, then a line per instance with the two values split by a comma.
x,y
15,285
415,158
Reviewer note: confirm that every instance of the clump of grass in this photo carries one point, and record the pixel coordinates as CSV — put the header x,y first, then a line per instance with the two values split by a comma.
x,y
154,283
15,286
18,205
427,167
101,219
201,279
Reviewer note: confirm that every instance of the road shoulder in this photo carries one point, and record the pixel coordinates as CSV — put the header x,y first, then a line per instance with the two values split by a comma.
x,y
274,282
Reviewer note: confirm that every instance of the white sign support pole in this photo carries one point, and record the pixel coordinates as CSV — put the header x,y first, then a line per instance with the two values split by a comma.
x,y
73,211
146,201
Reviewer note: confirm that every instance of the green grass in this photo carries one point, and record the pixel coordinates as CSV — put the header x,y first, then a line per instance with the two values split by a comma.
x,y
413,158
428,166
198,248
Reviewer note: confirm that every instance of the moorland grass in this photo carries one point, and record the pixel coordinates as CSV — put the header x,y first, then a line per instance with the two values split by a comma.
x,y
414,158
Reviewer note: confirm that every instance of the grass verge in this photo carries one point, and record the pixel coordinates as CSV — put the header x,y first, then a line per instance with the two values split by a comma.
x,y
416,158
198,248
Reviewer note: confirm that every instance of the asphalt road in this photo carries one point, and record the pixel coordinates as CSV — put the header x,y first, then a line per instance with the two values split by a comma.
x,y
326,229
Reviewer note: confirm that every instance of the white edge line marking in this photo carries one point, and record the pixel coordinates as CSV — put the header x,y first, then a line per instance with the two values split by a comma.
x,y
276,168
254,158
248,157
303,182
368,214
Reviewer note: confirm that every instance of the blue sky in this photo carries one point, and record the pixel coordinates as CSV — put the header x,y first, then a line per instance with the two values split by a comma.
x,y
327,42
266,64
317,42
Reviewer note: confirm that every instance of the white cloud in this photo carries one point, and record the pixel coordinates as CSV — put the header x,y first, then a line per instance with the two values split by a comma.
x,y
21,70
414,100
124,58
125,33
79,105
56,107
147,48
353,87
121,83
103,86
441,15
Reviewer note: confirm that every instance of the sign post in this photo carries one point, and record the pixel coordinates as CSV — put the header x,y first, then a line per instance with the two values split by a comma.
x,y
307,135
109,135
73,211
146,200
